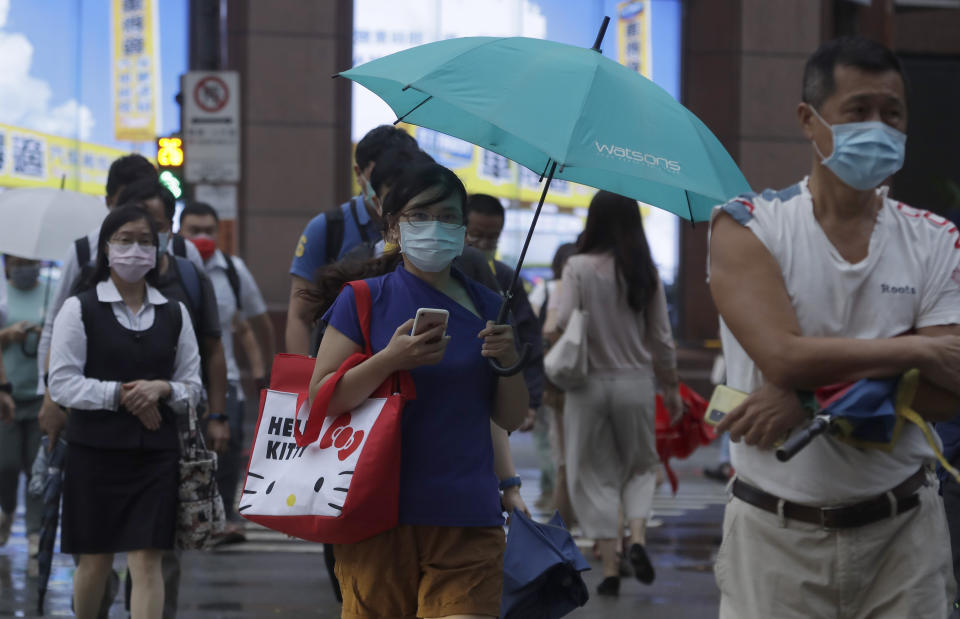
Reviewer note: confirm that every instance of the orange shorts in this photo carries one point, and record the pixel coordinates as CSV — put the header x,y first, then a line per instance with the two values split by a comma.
x,y
422,571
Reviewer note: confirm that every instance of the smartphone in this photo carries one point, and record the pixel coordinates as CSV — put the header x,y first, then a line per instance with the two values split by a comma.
x,y
428,318
723,400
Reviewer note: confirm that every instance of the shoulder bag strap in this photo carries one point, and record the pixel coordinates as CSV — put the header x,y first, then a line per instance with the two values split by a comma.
x,y
318,410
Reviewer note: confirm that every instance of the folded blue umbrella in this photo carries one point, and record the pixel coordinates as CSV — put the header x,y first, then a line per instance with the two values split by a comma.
x,y
541,570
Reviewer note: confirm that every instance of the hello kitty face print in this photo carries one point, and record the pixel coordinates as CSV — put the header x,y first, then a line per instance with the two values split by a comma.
x,y
286,480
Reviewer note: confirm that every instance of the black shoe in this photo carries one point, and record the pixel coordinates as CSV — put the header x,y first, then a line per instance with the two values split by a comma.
x,y
610,586
641,564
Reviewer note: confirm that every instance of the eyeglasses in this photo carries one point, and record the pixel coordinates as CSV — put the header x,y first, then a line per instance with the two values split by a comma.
x,y
422,219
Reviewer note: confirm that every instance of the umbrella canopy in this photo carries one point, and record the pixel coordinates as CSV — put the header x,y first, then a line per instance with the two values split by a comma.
x,y
538,102
541,570
869,414
40,222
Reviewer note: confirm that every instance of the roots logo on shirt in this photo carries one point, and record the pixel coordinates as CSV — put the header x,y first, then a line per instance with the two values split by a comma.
x,y
636,156
888,289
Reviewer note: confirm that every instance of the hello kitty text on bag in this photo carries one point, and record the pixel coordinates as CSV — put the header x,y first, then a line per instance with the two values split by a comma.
x,y
326,479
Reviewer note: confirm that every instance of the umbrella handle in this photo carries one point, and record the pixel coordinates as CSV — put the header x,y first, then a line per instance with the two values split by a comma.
x,y
802,437
521,363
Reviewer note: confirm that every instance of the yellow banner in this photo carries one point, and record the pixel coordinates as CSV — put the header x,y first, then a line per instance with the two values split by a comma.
x,y
135,70
33,159
633,36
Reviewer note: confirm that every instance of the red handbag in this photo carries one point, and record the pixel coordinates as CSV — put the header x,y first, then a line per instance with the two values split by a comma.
x,y
327,479
681,439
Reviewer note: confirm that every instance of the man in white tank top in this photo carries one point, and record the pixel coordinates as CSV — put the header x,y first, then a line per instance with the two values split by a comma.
x,y
826,282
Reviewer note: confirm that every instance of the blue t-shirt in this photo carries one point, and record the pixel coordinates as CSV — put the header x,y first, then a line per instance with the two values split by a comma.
x,y
447,477
311,251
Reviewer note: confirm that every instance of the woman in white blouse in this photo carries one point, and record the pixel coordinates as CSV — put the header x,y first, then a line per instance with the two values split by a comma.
x,y
125,362
610,443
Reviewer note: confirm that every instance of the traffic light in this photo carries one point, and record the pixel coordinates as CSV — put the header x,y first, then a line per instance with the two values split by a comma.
x,y
170,152
170,161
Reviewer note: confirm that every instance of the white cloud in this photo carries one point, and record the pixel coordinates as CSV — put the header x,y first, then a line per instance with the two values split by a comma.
x,y
25,100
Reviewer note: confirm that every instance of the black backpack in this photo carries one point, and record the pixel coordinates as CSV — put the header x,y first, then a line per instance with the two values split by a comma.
x,y
334,238
180,251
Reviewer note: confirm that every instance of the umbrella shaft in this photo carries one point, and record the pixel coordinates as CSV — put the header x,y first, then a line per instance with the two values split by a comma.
x,y
526,243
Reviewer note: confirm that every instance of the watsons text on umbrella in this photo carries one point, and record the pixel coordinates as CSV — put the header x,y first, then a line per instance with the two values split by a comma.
x,y
610,150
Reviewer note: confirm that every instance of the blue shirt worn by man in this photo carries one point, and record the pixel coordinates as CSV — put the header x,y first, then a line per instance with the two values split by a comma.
x,y
447,476
311,252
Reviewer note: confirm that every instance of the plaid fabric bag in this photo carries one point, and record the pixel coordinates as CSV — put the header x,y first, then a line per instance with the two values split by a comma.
x,y
200,514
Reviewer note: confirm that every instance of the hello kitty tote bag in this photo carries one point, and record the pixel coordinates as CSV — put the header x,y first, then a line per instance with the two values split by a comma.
x,y
326,479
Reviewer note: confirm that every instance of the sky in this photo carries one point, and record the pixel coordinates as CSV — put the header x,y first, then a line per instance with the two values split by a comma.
x,y
55,75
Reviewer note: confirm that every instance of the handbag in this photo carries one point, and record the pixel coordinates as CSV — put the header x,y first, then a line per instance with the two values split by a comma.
x,y
200,514
329,479
565,364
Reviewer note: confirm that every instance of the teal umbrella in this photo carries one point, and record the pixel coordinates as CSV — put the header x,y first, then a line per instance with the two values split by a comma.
x,y
567,111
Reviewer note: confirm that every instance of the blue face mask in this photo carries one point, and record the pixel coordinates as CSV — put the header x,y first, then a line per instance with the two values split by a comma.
x,y
163,239
864,153
431,247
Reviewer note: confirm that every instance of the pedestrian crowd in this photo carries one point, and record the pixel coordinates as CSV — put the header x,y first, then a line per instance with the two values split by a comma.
x,y
828,281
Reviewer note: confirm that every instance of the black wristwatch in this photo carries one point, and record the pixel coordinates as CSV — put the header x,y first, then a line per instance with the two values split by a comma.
x,y
217,417
6,387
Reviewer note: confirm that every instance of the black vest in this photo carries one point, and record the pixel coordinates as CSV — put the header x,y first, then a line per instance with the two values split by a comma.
x,y
115,353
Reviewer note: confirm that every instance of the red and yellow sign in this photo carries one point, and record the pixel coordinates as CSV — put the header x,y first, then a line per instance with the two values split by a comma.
x,y
633,36
135,69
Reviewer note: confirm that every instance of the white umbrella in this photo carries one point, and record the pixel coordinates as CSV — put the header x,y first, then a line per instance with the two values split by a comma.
x,y
41,223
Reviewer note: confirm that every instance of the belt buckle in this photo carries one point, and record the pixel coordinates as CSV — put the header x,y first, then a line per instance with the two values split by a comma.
x,y
827,523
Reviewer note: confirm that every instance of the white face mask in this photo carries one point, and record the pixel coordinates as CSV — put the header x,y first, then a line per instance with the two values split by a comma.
x,y
864,153
430,246
131,262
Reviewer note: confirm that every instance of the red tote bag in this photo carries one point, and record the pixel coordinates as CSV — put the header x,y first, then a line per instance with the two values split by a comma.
x,y
326,479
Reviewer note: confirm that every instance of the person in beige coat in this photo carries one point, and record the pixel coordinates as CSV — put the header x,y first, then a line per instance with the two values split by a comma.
x,y
610,446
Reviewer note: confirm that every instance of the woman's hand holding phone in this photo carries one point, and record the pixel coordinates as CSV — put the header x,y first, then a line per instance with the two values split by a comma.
x,y
406,352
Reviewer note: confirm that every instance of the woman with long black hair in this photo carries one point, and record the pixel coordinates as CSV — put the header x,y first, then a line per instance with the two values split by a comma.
x,y
124,361
609,435
445,558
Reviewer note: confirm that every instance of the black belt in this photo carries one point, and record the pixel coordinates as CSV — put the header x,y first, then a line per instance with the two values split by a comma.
x,y
897,501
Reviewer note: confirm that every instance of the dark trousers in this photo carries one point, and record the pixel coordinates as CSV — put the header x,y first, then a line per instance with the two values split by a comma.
x,y
19,442
231,463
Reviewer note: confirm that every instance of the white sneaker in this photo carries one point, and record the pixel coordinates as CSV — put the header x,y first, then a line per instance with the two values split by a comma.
x,y
33,545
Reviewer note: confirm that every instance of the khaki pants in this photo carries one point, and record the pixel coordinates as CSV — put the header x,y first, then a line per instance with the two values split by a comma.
x,y
898,568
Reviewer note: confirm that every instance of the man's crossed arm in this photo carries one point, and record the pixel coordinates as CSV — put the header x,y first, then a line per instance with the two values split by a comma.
x,y
751,296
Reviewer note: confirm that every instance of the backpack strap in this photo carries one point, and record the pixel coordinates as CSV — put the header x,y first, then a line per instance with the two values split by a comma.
x,y
82,247
234,278
191,282
353,211
179,246
334,240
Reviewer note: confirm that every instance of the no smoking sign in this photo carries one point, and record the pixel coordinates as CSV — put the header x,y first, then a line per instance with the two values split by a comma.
x,y
211,126
211,94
